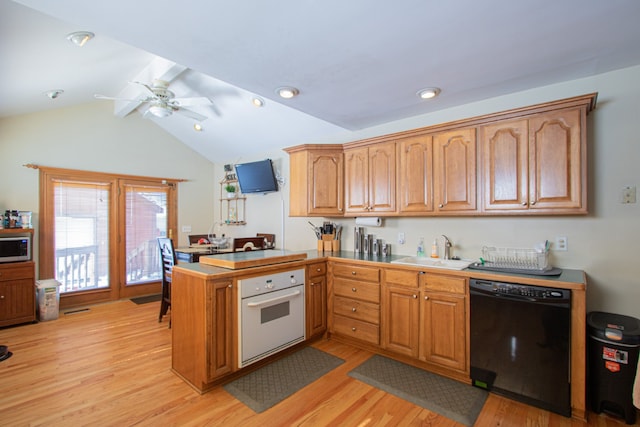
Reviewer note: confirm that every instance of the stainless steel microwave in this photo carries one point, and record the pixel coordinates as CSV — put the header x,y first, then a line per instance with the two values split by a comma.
x,y
15,248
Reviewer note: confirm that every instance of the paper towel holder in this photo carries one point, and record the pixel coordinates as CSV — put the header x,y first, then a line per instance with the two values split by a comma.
x,y
369,221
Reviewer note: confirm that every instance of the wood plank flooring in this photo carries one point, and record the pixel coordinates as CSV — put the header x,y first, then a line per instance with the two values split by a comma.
x,y
110,366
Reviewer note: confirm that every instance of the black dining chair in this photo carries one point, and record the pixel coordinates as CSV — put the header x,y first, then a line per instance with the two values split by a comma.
x,y
167,261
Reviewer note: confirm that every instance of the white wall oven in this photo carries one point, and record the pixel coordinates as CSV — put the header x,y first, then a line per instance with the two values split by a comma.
x,y
271,314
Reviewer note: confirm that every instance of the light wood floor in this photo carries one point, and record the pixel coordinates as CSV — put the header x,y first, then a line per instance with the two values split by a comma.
x,y
110,366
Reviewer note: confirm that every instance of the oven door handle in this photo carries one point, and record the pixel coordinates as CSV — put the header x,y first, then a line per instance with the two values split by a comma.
x,y
272,300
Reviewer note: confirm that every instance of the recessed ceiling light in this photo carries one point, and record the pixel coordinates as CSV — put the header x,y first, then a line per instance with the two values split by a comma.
x,y
80,38
429,92
197,127
287,92
53,94
257,101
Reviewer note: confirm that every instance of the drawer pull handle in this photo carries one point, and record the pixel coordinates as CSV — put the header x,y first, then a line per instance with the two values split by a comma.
x,y
318,270
353,329
353,273
353,309
353,289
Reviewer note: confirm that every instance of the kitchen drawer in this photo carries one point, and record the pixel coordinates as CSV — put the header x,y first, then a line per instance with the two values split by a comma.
x,y
318,269
15,272
355,309
357,272
356,329
400,277
359,290
436,282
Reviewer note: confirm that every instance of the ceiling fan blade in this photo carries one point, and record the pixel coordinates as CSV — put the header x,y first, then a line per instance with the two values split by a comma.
x,y
191,114
145,99
191,102
146,87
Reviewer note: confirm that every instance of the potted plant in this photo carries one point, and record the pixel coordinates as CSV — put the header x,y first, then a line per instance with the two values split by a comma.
x,y
231,190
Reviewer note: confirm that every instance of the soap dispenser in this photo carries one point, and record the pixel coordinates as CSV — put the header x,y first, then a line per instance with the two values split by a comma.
x,y
420,251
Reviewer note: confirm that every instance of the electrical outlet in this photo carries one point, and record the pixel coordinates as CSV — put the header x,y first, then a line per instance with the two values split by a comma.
x,y
186,229
401,238
562,243
628,194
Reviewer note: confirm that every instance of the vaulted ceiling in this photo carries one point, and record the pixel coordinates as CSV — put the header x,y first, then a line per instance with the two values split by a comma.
x,y
356,63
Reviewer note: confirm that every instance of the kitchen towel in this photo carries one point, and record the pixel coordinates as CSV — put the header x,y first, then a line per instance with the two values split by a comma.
x,y
372,221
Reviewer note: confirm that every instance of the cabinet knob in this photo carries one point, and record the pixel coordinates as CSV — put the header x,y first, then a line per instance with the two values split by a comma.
x,y
231,286
414,296
426,297
353,329
533,202
1,296
318,270
353,273
353,309
353,289
441,205
524,203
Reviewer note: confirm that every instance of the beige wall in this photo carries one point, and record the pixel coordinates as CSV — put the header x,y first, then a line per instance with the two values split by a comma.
x,y
605,243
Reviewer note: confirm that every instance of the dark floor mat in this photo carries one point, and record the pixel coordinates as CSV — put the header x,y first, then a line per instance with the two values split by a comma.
x,y
146,299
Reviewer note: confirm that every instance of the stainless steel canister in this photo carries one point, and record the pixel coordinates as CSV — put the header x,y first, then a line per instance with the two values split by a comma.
x,y
357,239
386,249
377,247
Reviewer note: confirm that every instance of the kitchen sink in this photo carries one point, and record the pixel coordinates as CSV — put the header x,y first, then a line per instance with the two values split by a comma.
x,y
450,264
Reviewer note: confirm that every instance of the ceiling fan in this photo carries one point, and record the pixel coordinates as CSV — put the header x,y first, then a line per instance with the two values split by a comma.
x,y
163,103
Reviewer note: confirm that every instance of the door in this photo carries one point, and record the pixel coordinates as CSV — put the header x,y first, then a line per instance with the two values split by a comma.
x,y
91,232
145,217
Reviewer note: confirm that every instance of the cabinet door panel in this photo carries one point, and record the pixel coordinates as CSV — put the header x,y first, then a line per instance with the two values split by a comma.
x,y
17,300
316,296
400,321
455,170
416,174
325,180
357,180
505,165
444,334
221,329
556,155
382,177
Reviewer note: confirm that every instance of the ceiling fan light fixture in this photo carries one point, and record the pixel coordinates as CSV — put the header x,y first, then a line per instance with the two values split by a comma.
x,y
160,111
287,92
428,93
80,38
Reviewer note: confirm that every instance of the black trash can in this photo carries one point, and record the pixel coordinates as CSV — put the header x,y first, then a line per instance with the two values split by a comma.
x,y
613,347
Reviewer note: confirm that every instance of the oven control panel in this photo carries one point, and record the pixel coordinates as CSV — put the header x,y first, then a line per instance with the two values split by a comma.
x,y
271,282
516,290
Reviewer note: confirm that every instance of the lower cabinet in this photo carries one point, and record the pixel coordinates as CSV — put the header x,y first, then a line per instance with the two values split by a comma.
x,y
17,293
443,321
316,299
424,317
203,325
356,302
221,320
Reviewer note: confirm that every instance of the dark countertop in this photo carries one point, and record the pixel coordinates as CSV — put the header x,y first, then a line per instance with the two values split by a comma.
x,y
569,279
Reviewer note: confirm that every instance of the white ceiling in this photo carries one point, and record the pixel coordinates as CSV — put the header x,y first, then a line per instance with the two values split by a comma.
x,y
357,63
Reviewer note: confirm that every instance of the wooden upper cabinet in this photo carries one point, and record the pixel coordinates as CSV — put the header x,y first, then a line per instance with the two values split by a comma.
x,y
455,170
535,164
557,161
415,174
370,179
505,163
316,180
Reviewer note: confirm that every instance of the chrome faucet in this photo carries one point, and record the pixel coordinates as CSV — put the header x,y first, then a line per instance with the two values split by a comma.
x,y
447,247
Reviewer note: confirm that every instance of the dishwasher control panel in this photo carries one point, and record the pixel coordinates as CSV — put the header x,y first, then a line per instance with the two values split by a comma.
x,y
512,289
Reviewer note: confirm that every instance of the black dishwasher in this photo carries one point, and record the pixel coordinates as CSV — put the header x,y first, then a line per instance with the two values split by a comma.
x,y
520,343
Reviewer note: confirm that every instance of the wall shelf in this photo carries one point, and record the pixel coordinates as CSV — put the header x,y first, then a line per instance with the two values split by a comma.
x,y
232,209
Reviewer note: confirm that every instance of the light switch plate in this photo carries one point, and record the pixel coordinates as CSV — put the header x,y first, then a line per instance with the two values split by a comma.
x,y
186,229
628,194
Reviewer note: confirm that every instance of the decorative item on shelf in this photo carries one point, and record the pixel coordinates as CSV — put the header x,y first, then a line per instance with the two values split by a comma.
x,y
231,190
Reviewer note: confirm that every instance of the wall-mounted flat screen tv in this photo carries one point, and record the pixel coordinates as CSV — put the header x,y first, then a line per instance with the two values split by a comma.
x,y
256,177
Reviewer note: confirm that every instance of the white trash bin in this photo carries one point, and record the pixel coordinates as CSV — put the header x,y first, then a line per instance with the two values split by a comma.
x,y
48,292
